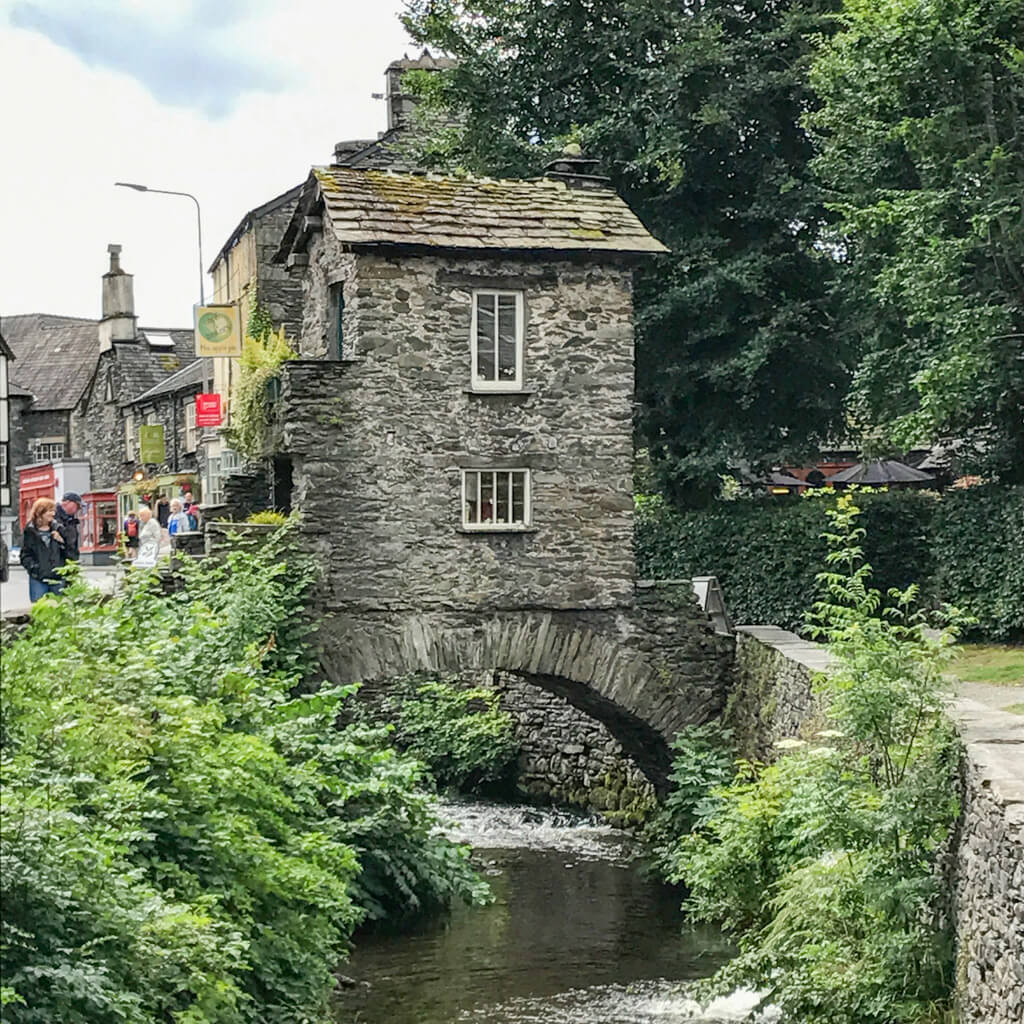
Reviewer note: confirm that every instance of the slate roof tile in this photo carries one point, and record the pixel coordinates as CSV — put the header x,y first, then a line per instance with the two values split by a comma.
x,y
54,357
382,207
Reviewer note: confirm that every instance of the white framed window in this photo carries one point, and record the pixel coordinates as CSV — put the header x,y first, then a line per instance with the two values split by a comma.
x,y
496,340
191,434
496,499
48,451
129,437
218,467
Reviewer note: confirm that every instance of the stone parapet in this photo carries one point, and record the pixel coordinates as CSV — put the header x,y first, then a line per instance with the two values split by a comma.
x,y
988,895
772,696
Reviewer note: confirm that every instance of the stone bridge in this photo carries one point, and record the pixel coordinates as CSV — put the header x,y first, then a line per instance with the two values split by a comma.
x,y
643,671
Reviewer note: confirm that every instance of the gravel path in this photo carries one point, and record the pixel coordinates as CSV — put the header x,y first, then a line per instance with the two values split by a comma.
x,y
993,696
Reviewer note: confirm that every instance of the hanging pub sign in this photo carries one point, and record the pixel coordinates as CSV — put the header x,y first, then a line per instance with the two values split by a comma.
x,y
151,443
218,330
208,411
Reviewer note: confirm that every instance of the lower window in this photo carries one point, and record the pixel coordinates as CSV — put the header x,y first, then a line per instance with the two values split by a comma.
x,y
495,499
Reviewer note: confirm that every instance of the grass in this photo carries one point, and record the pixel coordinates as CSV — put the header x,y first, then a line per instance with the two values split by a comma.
x,y
999,664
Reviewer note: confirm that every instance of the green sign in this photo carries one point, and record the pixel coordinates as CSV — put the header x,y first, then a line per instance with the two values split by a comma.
x,y
151,443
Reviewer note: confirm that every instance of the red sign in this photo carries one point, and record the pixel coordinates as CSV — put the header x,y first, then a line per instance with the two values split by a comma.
x,y
208,412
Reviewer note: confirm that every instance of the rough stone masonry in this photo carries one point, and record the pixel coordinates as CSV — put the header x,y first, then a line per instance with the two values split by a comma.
x,y
381,419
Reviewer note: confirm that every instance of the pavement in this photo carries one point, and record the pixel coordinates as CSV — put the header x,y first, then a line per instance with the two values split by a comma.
x,y
1000,698
14,593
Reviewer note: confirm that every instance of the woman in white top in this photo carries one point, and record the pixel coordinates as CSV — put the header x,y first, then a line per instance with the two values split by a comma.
x,y
149,539
178,520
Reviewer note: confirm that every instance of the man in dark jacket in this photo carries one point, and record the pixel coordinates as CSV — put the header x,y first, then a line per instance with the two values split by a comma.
x,y
67,523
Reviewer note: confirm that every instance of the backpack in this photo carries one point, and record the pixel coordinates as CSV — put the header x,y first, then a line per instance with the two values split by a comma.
x,y
132,527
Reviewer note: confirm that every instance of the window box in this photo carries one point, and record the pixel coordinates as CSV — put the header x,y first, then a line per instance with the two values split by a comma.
x,y
496,340
496,500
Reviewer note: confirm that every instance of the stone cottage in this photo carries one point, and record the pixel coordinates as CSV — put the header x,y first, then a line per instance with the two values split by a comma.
x,y
459,428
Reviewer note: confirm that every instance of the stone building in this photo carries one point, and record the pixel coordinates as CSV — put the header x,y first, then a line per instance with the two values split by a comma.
x,y
127,362
459,430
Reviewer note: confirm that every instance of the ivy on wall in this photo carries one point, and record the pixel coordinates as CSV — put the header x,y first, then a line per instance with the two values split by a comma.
x,y
963,548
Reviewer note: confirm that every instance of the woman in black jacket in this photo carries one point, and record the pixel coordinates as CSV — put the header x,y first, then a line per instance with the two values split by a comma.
x,y
42,550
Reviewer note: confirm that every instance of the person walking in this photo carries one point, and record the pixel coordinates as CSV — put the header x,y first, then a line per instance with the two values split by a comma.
x,y
69,524
178,521
149,539
42,550
131,535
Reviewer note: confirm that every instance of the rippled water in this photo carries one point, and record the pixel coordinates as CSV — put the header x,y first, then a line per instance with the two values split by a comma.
x,y
576,935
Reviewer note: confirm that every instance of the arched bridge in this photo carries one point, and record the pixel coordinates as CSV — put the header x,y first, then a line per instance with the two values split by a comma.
x,y
644,671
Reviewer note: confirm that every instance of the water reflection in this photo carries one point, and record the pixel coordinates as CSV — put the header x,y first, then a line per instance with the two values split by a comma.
x,y
575,935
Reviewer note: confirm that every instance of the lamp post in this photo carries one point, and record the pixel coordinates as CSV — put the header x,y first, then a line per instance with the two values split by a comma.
x,y
199,224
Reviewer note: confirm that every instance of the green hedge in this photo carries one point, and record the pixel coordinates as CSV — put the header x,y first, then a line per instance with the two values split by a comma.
x,y
963,548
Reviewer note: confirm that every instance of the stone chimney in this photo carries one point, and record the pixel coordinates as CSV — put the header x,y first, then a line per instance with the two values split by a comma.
x,y
401,105
119,320
575,169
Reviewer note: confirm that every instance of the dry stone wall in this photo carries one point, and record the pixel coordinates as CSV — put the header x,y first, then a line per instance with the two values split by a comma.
x,y
772,696
989,867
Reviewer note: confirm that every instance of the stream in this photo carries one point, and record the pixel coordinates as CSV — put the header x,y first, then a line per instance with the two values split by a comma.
x,y
575,935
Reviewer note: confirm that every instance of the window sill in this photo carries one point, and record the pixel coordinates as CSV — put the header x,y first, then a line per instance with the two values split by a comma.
x,y
499,392
491,530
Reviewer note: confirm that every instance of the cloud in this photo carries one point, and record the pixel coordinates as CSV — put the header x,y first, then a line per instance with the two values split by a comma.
x,y
197,57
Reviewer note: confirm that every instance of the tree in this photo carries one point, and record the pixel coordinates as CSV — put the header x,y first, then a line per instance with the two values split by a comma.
x,y
694,111
921,140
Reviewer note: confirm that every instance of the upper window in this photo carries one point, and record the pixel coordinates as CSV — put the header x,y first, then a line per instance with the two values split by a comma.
x,y
191,434
336,321
497,340
495,499
48,451
129,438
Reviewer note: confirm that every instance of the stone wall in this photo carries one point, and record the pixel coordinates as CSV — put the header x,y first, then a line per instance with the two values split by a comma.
x,y
773,700
567,757
989,867
772,696
279,293
379,441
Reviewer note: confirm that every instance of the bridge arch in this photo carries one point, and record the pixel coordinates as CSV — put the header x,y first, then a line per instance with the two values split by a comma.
x,y
607,664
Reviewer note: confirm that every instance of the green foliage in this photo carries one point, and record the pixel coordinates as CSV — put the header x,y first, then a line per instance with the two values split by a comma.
x,y
702,762
920,147
263,354
461,735
268,517
962,549
826,863
765,551
183,838
977,544
694,112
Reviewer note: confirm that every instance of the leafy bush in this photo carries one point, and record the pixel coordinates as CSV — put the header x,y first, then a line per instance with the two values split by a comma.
x,y
977,538
702,763
183,838
826,863
962,548
462,737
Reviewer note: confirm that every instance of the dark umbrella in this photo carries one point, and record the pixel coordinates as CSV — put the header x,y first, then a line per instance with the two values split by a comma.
x,y
881,471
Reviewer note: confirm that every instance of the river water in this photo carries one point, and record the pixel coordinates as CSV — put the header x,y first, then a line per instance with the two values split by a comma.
x,y
575,935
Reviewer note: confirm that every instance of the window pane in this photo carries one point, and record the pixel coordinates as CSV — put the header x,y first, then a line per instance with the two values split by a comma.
x,y
507,337
487,497
504,489
485,327
519,498
472,510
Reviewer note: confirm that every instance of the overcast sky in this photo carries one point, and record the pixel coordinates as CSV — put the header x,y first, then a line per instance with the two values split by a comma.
x,y
232,100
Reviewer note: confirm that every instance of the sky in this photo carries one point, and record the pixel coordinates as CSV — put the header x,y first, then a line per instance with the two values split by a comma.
x,y
231,100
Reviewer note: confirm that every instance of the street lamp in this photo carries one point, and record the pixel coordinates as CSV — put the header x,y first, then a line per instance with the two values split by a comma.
x,y
199,224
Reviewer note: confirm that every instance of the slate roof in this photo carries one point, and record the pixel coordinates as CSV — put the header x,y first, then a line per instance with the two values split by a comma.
x,y
144,368
195,373
54,357
387,208
881,471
